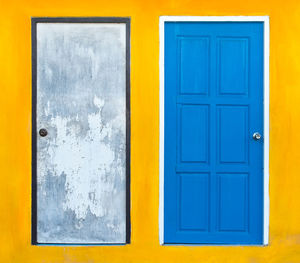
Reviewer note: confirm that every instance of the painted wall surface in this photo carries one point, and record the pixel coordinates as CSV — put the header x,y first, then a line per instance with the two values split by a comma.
x,y
15,133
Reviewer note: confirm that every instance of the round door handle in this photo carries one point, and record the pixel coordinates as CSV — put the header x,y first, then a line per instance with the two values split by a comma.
x,y
43,132
256,136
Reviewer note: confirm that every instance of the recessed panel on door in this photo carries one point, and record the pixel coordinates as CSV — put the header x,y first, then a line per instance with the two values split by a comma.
x,y
233,65
80,131
194,59
193,133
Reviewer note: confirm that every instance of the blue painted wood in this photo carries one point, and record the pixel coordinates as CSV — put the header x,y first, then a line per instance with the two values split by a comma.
x,y
213,185
193,137
193,198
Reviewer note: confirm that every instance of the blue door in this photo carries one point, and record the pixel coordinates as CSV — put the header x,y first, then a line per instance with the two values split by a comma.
x,y
213,150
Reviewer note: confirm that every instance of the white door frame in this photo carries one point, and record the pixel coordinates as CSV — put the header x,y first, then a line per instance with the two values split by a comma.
x,y
265,20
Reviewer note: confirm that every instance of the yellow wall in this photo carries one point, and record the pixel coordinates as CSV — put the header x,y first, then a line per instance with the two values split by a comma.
x,y
15,131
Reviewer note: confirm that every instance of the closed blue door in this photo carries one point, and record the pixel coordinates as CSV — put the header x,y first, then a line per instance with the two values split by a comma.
x,y
213,165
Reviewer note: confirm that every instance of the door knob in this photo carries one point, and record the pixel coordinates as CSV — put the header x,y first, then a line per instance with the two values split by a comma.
x,y
43,132
256,136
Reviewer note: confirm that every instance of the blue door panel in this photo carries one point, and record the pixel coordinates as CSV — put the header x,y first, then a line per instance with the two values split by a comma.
x,y
193,133
233,202
213,178
194,69
194,190
232,134
232,61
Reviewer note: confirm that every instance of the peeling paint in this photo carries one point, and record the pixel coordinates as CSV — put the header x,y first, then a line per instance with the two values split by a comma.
x,y
81,163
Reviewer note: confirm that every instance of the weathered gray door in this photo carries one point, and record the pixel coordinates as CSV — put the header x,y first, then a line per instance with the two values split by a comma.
x,y
79,131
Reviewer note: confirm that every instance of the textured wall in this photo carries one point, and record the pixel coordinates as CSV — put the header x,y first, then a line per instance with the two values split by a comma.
x,y
15,132
81,164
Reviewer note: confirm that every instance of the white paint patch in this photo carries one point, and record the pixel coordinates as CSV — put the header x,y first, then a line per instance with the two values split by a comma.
x,y
92,159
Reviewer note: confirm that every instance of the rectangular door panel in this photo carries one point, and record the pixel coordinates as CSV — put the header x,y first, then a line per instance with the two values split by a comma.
x,y
193,189
80,137
233,202
194,133
232,126
213,104
194,69
233,66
